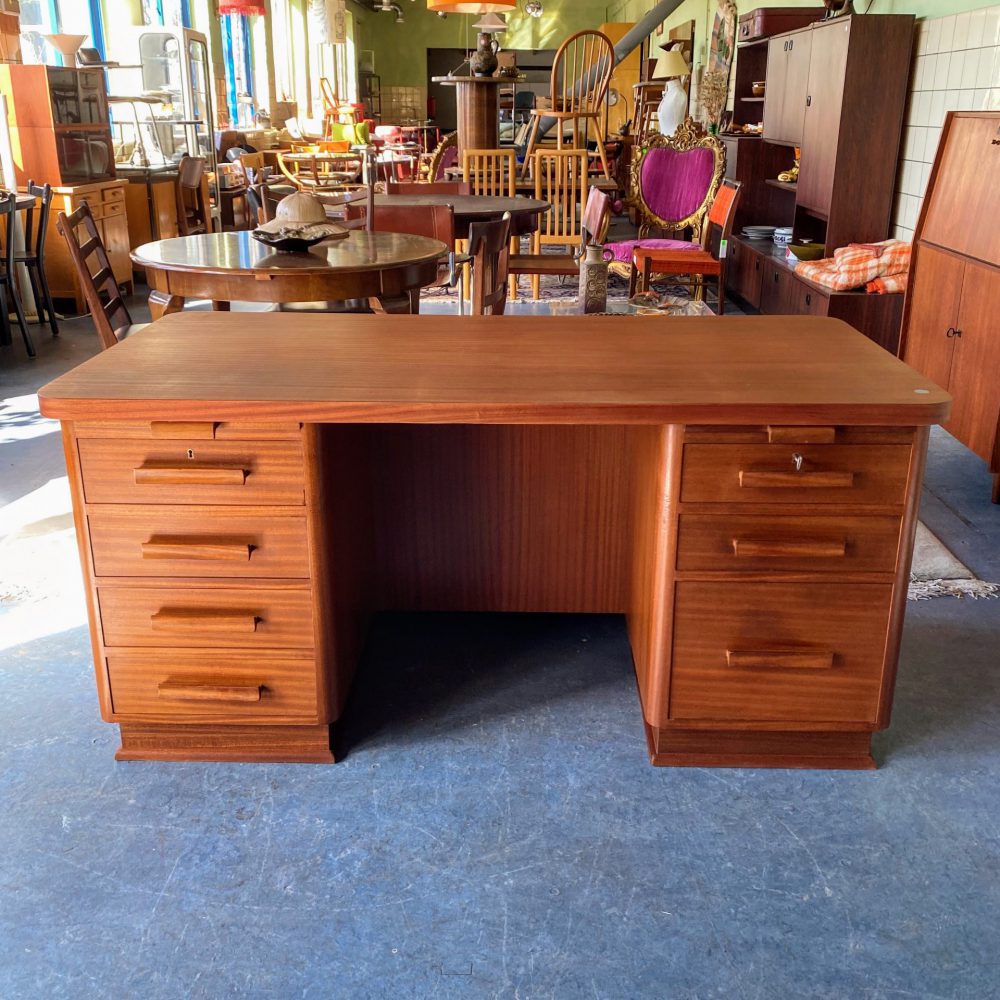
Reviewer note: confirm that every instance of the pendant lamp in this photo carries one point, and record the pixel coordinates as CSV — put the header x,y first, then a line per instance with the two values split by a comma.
x,y
250,8
470,7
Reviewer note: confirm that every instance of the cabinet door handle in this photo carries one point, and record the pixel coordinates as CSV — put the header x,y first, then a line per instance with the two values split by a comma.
x,y
780,659
189,475
190,620
751,479
196,548
761,548
228,693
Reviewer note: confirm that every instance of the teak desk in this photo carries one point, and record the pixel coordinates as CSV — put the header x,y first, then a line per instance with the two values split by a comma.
x,y
248,490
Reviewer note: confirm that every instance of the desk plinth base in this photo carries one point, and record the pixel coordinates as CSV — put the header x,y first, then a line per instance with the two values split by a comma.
x,y
739,748
255,744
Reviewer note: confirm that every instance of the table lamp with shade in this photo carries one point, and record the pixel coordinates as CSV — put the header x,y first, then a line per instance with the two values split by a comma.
x,y
673,108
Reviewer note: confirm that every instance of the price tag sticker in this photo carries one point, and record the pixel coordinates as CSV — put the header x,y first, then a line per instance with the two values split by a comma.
x,y
723,249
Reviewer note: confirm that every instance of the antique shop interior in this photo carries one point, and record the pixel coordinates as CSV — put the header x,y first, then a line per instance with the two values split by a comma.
x,y
499,499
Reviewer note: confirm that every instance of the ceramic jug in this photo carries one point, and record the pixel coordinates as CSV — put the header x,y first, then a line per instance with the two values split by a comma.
x,y
485,62
594,279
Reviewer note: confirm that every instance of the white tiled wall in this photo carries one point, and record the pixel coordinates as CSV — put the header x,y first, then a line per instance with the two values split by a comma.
x,y
956,68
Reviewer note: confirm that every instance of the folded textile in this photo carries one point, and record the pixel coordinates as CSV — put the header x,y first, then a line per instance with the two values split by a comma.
x,y
856,265
890,283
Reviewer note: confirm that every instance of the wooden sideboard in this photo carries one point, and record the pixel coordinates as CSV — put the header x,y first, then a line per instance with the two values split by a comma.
x,y
952,320
743,490
107,201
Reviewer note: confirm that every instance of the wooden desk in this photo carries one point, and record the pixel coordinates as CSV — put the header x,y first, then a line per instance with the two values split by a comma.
x,y
234,267
743,489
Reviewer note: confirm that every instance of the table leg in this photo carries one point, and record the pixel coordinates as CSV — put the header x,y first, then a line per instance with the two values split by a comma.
x,y
163,304
397,305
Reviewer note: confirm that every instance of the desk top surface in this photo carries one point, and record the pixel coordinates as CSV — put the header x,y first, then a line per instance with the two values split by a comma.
x,y
526,370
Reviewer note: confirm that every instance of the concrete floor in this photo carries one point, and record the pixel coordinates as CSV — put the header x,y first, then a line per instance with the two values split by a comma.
x,y
496,830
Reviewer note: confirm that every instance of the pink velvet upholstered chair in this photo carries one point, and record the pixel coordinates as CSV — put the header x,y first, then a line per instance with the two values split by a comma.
x,y
674,182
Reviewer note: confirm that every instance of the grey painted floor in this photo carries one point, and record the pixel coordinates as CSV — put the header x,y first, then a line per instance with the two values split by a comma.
x,y
496,830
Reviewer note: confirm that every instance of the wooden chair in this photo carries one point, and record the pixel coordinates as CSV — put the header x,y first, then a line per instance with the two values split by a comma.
x,y
581,75
111,316
648,96
561,179
492,173
314,173
428,187
444,157
674,181
192,211
594,230
8,278
694,264
489,247
33,258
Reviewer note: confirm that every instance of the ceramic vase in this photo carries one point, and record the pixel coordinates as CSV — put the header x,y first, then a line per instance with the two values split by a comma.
x,y
485,62
594,279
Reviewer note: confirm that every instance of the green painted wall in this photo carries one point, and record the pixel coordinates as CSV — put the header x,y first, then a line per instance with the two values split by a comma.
x,y
401,49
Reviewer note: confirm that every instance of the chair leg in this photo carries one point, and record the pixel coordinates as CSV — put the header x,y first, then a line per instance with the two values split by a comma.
x,y
600,149
5,335
21,321
532,140
722,296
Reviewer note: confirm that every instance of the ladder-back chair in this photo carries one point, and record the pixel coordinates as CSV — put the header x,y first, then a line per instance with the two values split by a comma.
x,y
489,247
581,75
561,180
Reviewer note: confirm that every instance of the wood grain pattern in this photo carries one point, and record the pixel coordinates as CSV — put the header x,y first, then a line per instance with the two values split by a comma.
x,y
270,472
714,618
210,742
577,370
830,474
195,614
190,685
187,541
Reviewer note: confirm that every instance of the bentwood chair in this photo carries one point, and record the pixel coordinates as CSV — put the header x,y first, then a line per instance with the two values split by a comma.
x,y
489,247
594,230
581,75
192,212
674,181
8,278
33,258
93,270
699,263
444,157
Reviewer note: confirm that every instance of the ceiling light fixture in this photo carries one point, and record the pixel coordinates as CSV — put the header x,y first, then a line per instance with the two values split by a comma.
x,y
534,8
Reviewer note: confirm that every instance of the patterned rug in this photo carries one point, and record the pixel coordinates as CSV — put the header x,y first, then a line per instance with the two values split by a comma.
x,y
936,572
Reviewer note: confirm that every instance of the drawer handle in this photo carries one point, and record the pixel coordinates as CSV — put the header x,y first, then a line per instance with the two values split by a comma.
x,y
794,659
752,480
230,693
184,620
194,548
193,475
759,548
801,435
174,429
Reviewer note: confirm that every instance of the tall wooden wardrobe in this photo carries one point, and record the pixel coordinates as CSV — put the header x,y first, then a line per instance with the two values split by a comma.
x,y
951,322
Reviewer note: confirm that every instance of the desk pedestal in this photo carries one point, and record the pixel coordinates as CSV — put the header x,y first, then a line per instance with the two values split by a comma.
x,y
232,570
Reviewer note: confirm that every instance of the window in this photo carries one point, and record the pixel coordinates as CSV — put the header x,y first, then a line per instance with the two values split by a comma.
x,y
281,32
173,13
239,76
44,17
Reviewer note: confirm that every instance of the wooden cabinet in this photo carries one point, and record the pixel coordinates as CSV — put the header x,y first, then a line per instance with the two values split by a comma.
x,y
107,202
787,78
744,272
951,326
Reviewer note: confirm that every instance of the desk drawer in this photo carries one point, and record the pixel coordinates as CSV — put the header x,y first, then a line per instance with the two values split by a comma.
x,y
193,685
795,473
197,542
194,471
767,652
761,543
249,617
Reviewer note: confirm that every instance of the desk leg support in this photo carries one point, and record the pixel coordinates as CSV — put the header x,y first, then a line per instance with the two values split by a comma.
x,y
264,744
163,304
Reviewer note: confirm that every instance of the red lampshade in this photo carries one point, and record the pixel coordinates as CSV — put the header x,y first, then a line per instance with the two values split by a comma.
x,y
251,8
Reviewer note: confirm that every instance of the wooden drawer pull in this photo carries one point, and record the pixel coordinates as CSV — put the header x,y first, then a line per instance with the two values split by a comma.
x,y
184,620
801,435
230,693
193,548
764,659
175,429
759,548
751,480
193,475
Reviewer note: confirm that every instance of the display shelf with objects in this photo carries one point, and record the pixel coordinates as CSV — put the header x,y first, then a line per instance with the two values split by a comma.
x,y
819,82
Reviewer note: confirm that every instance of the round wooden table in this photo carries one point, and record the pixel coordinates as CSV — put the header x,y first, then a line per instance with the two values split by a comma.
x,y
388,269
524,212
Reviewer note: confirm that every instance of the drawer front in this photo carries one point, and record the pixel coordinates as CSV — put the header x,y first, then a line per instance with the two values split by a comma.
x,y
764,652
195,542
201,430
224,617
795,473
206,686
760,543
192,471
